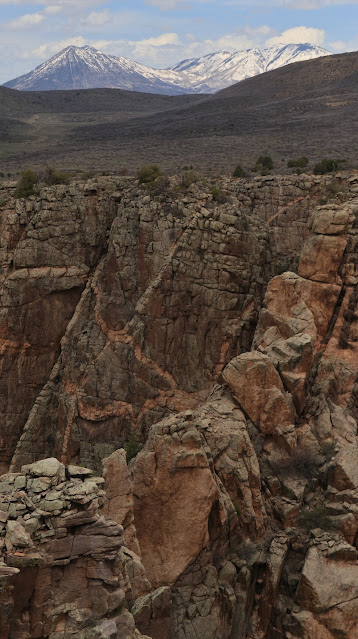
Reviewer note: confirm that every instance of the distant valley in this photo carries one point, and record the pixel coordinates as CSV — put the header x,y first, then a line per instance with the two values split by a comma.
x,y
302,109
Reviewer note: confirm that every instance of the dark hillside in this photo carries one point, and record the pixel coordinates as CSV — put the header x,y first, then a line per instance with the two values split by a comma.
x,y
307,108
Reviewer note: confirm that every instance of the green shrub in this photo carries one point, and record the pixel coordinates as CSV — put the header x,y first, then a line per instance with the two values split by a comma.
x,y
325,166
86,175
132,446
2,174
26,184
239,172
148,173
51,176
158,186
217,194
264,164
301,163
188,178
316,518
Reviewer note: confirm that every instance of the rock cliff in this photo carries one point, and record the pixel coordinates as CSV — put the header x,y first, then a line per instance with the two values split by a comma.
x,y
225,337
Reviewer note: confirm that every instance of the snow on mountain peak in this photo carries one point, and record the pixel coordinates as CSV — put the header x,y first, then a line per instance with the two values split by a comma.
x,y
86,67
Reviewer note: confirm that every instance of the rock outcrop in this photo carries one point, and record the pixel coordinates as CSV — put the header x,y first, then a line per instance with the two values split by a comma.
x,y
62,572
233,362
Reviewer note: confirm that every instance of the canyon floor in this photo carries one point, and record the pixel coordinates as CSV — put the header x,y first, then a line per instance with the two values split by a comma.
x,y
178,409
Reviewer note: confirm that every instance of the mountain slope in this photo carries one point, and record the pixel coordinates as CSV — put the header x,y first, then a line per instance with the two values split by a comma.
x,y
85,67
222,69
308,108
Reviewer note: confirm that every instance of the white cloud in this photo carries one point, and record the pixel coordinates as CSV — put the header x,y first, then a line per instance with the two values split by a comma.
x,y
166,5
308,5
155,51
298,35
160,41
53,9
97,18
49,49
26,21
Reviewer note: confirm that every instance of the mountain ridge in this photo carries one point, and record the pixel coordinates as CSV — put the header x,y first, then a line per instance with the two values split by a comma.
x,y
86,67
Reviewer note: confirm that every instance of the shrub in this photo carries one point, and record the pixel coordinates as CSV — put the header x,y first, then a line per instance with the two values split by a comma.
x,y
26,184
264,164
148,173
316,518
239,172
329,449
123,170
159,186
301,462
51,176
301,163
188,178
86,175
2,174
217,194
325,166
132,446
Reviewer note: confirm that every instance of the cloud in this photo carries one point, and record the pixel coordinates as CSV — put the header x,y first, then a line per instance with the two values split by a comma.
x,y
26,21
97,18
51,48
310,5
298,35
64,4
160,41
166,5
53,9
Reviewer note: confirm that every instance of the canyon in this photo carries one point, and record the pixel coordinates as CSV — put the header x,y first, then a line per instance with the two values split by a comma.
x,y
221,337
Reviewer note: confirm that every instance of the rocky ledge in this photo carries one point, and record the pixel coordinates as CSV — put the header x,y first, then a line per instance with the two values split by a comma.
x,y
63,565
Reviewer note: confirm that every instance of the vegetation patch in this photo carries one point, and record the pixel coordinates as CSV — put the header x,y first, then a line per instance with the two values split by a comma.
x,y
148,173
316,518
26,184
29,180
218,194
301,163
264,164
301,463
239,172
132,446
325,166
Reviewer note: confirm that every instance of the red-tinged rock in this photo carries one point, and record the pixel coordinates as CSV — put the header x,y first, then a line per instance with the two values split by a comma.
x,y
258,388
174,494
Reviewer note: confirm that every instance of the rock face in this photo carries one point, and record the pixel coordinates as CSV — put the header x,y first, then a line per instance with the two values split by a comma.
x,y
62,572
237,515
134,312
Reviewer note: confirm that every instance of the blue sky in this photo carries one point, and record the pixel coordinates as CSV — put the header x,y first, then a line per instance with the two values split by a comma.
x,y
162,32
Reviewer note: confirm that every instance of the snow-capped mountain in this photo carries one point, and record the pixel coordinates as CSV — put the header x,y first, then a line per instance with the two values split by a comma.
x,y
224,68
86,67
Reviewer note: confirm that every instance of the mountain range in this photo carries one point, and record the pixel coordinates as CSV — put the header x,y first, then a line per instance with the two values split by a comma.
x,y
86,67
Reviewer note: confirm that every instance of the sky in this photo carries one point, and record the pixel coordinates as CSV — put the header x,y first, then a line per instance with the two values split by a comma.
x,y
160,33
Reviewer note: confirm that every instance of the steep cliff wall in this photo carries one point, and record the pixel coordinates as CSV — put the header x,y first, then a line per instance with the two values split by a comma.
x,y
118,308
226,335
